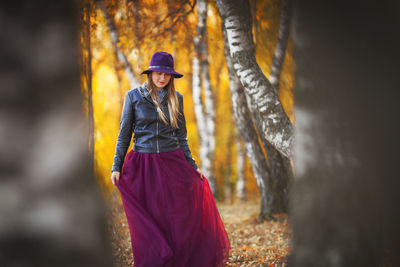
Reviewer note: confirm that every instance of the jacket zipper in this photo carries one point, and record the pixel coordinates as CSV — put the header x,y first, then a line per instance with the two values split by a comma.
x,y
158,150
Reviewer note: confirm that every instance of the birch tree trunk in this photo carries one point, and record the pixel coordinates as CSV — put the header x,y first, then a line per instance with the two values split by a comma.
x,y
198,107
205,114
52,213
208,96
281,178
346,208
240,183
245,126
133,82
269,117
280,167
228,171
280,50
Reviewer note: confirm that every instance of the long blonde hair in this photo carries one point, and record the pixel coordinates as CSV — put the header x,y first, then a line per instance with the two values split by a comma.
x,y
172,99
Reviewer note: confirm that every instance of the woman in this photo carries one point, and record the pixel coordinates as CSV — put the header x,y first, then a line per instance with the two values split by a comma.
x,y
171,213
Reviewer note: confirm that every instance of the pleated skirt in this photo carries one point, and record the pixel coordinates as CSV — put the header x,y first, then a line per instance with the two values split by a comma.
x,y
171,212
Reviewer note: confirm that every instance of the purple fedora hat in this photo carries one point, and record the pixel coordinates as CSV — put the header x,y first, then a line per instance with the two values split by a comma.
x,y
162,62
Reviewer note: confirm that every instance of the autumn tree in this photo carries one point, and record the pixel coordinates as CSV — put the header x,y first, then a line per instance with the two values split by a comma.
x,y
205,113
249,135
269,117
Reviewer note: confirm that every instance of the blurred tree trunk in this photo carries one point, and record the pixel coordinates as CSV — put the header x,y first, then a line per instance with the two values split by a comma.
x,y
133,82
205,112
52,213
240,183
244,123
269,117
346,199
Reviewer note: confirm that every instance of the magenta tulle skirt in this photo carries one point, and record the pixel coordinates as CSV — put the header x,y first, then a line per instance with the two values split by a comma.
x,y
171,212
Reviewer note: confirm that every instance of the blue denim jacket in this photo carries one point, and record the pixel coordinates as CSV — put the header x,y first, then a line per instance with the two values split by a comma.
x,y
151,135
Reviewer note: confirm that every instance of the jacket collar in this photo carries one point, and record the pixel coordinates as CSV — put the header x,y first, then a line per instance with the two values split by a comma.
x,y
145,93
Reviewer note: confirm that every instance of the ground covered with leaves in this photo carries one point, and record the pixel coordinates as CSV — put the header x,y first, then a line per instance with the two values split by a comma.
x,y
253,243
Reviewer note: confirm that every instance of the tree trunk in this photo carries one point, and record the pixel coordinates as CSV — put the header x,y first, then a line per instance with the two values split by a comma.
x,y
51,211
133,82
208,93
240,183
245,126
270,119
228,170
346,197
281,178
206,114
280,167
280,50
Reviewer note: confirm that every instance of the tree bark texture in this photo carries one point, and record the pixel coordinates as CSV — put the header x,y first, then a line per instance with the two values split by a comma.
x,y
240,182
207,134
280,166
269,117
51,211
345,209
244,124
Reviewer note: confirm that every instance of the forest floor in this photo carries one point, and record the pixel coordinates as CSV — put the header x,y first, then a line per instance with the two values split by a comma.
x,y
252,243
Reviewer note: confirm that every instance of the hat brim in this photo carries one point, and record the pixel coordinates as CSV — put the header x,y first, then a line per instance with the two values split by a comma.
x,y
176,74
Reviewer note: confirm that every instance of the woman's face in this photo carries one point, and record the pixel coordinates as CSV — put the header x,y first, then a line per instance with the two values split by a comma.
x,y
160,79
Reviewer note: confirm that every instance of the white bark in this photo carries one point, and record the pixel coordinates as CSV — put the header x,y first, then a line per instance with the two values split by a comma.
x,y
270,118
240,183
200,117
133,82
205,114
244,123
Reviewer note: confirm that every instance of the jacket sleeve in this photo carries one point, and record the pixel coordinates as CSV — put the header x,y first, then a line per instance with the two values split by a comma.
x,y
125,134
182,134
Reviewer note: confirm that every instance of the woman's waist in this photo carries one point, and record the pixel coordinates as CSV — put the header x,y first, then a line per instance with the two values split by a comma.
x,y
155,146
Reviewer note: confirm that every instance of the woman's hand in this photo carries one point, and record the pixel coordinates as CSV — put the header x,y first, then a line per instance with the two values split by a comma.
x,y
201,175
115,177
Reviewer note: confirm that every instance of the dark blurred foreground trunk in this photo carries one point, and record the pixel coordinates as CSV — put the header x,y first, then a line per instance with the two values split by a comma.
x,y
345,209
50,206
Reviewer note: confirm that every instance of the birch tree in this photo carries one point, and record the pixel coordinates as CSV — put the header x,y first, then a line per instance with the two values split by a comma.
x,y
205,112
280,50
133,82
345,209
244,123
52,213
240,160
228,170
280,166
270,119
